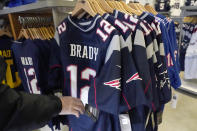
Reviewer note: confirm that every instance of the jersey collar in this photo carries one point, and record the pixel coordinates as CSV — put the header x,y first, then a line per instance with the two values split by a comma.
x,y
84,25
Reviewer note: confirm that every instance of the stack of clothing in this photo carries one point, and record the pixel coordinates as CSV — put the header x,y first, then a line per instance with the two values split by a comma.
x,y
14,3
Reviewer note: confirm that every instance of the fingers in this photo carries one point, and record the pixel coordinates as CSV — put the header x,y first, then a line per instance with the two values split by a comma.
x,y
80,109
72,106
75,112
78,102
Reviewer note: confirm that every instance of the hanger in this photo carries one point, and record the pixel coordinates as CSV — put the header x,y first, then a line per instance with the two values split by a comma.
x,y
4,29
129,9
115,5
133,5
111,4
23,32
5,32
83,5
121,7
142,8
96,6
105,6
150,9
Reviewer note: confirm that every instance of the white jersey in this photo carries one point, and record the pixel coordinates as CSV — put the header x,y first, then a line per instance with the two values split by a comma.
x,y
175,7
191,58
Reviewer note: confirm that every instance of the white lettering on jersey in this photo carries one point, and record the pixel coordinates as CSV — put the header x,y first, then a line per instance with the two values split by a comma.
x,y
32,83
101,34
108,28
87,52
147,31
91,51
79,51
26,61
73,50
61,28
132,22
121,25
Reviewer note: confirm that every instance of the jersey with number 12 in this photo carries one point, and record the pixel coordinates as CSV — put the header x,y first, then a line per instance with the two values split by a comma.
x,y
90,53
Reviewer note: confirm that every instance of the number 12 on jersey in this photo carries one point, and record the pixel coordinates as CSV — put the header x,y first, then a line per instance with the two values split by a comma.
x,y
32,84
85,75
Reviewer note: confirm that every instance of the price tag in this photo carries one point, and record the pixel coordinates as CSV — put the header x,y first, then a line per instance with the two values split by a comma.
x,y
92,112
125,122
174,101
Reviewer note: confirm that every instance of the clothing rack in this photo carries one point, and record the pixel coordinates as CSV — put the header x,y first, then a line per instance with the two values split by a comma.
x,y
57,9
188,85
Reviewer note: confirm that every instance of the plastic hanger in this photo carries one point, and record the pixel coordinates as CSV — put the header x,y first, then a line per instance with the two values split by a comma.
x,y
83,5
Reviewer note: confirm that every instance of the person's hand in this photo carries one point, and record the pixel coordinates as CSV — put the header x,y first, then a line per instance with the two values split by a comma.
x,y
72,106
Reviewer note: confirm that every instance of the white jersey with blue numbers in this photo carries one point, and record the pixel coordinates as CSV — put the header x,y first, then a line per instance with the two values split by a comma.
x,y
91,59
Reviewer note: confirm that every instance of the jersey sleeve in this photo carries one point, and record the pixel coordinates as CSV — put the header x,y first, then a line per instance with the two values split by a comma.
x,y
141,56
132,89
55,78
138,51
104,93
165,93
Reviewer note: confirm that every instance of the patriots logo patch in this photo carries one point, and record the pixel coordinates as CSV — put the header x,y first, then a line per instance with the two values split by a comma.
x,y
114,84
134,77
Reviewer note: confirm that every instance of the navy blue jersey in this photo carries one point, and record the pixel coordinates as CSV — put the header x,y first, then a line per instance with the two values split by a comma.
x,y
91,60
33,63
12,78
162,74
133,93
162,5
27,59
190,2
171,54
138,45
186,37
141,39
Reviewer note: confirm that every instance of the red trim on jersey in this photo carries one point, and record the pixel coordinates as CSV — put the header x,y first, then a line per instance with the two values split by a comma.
x,y
147,86
95,93
55,66
126,101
